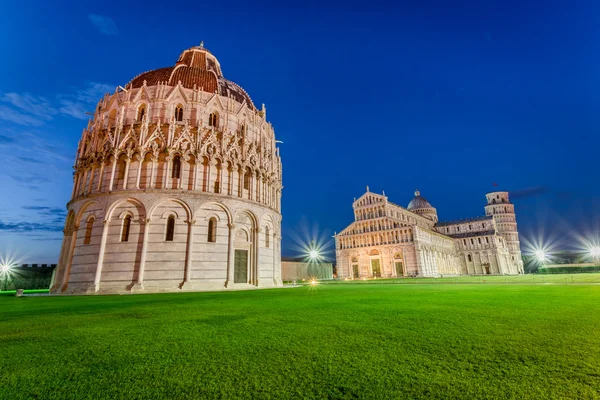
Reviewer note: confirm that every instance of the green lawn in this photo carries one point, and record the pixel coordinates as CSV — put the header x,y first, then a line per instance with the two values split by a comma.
x,y
333,341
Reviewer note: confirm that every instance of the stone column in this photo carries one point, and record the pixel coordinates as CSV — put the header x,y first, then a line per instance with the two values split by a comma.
x,y
126,177
188,254
194,175
183,161
230,255
140,280
101,255
101,176
139,172
75,183
69,260
60,269
206,185
275,245
153,175
255,269
167,179
90,187
112,175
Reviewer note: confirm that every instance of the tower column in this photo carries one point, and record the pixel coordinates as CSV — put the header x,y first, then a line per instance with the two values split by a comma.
x,y
139,172
126,175
69,260
112,174
153,175
140,281
230,255
188,253
101,255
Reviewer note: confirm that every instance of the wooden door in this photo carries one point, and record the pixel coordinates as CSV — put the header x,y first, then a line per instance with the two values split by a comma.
x,y
355,270
375,267
399,268
240,270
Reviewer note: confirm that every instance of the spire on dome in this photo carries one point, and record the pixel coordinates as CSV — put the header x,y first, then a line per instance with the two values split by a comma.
x,y
417,193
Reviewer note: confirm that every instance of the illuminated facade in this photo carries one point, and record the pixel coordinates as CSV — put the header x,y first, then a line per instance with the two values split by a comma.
x,y
387,240
177,186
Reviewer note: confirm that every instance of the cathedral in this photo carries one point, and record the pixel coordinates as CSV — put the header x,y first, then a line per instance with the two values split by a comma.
x,y
387,240
177,186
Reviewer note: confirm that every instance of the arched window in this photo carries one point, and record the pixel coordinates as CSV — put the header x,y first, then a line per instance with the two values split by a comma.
x,y
141,112
213,119
179,113
469,257
242,130
483,225
267,237
176,167
212,230
247,180
125,229
170,228
88,231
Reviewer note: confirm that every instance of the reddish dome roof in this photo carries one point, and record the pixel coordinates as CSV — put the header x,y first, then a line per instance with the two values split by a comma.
x,y
195,68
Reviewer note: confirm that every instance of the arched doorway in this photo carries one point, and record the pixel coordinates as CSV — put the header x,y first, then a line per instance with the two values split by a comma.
x,y
241,256
399,264
375,264
355,273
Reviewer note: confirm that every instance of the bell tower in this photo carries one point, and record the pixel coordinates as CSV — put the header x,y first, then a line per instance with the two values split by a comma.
x,y
503,211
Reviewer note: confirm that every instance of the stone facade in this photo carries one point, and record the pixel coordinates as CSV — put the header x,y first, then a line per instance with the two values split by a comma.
x,y
177,186
387,240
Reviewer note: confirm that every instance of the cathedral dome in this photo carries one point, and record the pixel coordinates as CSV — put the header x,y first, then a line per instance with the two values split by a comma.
x,y
196,68
418,202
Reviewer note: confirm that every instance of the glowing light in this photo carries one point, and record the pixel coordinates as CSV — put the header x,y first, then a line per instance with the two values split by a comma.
x,y
5,268
314,282
540,255
311,244
595,251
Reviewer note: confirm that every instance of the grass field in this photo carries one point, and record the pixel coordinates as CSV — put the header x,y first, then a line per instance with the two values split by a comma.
x,y
333,341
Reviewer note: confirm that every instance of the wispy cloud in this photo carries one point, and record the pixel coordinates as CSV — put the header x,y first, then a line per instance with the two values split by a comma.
x,y
76,104
30,110
24,226
6,140
104,24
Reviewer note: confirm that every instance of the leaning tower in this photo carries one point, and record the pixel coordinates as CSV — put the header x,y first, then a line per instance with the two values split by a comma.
x,y
177,186
503,211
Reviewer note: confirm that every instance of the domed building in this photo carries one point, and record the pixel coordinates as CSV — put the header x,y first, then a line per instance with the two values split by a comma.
x,y
177,186
419,205
387,240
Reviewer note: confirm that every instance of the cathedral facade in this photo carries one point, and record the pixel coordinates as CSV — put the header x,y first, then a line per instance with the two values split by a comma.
x,y
387,240
177,186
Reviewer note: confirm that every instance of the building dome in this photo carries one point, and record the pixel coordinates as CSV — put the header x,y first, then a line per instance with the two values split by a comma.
x,y
419,205
196,68
177,186
418,202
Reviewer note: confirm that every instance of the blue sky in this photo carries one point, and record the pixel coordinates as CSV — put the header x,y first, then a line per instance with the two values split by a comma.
x,y
446,97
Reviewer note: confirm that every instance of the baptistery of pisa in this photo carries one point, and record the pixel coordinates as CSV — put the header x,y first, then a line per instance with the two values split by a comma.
x,y
177,186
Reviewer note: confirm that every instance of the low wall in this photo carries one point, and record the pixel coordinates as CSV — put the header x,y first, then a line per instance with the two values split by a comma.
x,y
297,270
569,268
